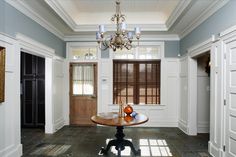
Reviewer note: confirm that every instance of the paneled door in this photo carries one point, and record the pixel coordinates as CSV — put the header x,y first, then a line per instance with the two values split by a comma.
x,y
83,93
32,90
231,98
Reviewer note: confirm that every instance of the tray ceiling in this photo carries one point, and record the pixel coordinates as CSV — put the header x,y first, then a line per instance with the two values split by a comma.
x,y
67,18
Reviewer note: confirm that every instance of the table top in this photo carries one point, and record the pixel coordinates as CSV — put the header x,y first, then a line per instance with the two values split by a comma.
x,y
112,119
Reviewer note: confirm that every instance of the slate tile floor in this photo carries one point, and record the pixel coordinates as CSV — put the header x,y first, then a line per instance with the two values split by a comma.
x,y
87,141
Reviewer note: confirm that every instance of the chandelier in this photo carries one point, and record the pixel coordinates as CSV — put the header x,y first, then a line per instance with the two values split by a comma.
x,y
122,38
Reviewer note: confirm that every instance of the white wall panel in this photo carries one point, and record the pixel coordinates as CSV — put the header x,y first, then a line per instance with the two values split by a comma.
x,y
183,90
58,94
10,109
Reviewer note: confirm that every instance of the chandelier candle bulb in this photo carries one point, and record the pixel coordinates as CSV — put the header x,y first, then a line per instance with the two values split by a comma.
x,y
130,35
98,36
123,27
101,29
137,31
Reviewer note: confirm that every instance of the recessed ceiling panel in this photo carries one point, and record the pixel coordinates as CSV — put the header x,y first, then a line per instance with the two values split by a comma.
x,y
93,12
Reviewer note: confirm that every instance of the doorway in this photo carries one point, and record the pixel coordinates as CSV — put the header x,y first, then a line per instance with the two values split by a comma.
x,y
32,91
203,93
83,93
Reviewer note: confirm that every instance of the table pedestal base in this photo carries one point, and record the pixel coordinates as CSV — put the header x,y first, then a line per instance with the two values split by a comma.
x,y
120,143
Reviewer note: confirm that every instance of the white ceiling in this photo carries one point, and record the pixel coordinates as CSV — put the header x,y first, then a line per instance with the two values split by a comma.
x,y
79,18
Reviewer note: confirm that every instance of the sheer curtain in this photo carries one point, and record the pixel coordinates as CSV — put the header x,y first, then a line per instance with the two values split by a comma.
x,y
83,79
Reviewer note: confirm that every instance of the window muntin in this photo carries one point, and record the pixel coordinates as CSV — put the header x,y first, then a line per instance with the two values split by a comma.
x,y
83,79
136,82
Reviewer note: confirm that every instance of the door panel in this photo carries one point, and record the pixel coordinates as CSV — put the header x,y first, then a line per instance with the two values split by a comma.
x,y
83,93
216,98
32,90
231,98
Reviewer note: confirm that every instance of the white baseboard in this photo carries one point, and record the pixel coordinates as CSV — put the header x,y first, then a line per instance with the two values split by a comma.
x,y
203,127
182,126
58,124
13,151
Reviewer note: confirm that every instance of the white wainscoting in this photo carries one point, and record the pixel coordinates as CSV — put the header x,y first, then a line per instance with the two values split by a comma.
x,y
10,145
183,90
58,91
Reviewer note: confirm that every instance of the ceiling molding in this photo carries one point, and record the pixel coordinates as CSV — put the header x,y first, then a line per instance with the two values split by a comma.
x,y
178,12
91,38
110,27
215,6
61,12
26,10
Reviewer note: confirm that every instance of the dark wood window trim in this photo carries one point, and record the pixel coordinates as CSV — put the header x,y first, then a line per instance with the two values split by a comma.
x,y
136,82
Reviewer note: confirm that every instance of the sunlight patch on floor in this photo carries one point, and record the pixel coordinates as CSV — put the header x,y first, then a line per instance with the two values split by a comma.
x,y
149,148
154,148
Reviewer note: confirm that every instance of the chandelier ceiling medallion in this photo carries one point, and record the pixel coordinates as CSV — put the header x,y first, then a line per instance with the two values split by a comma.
x,y
122,38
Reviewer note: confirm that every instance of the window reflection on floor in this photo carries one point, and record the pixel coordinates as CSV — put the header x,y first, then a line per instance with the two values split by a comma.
x,y
154,147
149,148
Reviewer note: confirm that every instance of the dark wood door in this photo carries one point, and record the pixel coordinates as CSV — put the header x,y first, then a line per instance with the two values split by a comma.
x,y
83,93
32,90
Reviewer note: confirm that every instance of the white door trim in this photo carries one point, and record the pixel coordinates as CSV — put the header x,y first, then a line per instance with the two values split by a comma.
x,y
31,46
192,83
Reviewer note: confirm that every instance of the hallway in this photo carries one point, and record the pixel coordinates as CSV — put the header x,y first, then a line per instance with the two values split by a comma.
x,y
87,141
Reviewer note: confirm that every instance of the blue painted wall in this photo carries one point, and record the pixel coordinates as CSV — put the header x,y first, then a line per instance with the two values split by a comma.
x,y
12,21
218,22
172,49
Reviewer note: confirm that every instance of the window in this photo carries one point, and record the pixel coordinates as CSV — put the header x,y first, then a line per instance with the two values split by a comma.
x,y
136,82
83,79
84,53
141,52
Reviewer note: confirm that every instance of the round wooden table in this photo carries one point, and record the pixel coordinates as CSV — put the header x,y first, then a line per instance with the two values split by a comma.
x,y
112,119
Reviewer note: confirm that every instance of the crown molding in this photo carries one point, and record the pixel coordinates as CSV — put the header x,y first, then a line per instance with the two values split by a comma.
x,y
26,10
178,12
91,38
61,12
209,11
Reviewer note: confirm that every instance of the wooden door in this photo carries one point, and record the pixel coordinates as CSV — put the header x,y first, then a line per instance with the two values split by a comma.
x,y
231,98
83,93
32,91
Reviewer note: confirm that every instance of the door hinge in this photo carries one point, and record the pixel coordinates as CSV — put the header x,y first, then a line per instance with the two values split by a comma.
x,y
224,148
224,55
224,102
